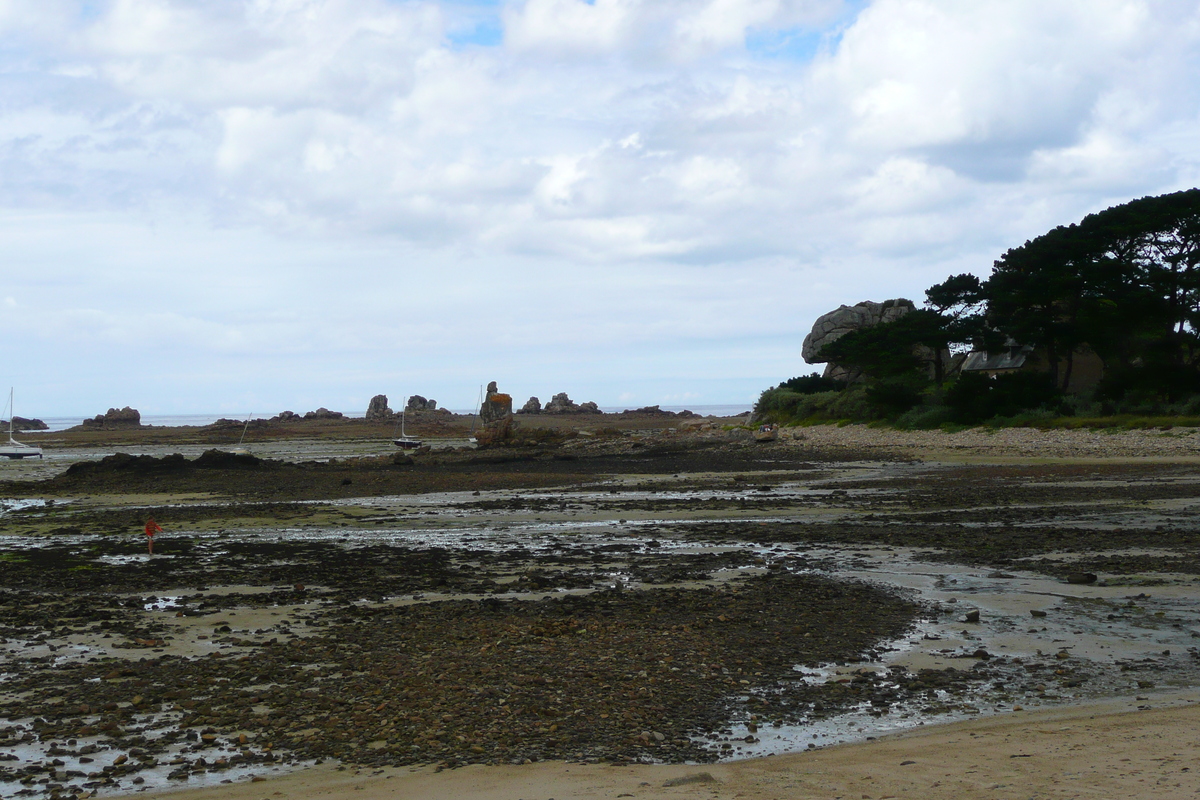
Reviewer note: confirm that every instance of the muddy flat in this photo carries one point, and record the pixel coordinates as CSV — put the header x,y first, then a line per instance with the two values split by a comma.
x,y
630,597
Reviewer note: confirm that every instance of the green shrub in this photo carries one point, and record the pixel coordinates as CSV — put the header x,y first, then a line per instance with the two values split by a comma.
x,y
926,417
974,398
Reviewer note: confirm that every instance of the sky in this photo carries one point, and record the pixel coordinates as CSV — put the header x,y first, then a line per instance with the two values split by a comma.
x,y
247,206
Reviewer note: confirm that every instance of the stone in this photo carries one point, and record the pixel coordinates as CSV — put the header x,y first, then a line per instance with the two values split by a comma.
x,y
496,406
324,413
115,419
378,409
845,319
560,404
589,408
418,403
23,424
1081,577
652,411
532,406
972,616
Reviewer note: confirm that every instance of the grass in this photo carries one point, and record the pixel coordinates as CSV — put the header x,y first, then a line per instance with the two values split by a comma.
x,y
1040,420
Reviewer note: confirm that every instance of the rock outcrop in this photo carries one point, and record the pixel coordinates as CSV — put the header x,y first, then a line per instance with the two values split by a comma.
x,y
324,413
532,406
837,323
23,424
418,403
378,410
496,405
115,419
649,411
496,432
560,404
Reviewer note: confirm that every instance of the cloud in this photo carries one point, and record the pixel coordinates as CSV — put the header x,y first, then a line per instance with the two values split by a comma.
x,y
282,173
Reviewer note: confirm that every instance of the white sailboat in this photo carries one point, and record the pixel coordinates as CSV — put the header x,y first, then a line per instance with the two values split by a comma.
x,y
404,441
14,449
240,450
475,417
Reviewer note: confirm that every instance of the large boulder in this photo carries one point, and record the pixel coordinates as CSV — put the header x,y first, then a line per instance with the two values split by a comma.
x,y
837,323
377,409
496,405
532,406
496,432
560,404
418,403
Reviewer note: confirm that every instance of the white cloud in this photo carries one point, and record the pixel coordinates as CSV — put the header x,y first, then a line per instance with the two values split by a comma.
x,y
237,159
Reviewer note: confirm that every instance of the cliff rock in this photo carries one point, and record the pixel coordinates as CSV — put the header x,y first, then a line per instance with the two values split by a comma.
x,y
532,406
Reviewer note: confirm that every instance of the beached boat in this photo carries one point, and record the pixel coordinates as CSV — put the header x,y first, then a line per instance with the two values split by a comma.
x,y
766,433
14,449
404,441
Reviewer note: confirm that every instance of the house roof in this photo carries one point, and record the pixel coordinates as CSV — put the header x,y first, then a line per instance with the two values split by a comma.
x,y
1009,358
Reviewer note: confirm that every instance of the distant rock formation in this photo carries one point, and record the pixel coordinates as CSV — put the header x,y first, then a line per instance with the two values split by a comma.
x,y
377,409
115,419
532,406
22,424
837,323
324,413
651,411
286,416
562,404
418,403
496,405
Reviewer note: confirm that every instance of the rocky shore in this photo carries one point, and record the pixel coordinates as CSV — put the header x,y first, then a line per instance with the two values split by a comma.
x,y
595,594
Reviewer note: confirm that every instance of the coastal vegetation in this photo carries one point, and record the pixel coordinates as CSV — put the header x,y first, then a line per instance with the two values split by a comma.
x,y
1115,296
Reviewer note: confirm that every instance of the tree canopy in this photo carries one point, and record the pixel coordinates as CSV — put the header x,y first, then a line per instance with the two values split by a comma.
x,y
1124,282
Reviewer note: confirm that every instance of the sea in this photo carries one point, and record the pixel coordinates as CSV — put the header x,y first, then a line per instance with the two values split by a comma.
x,y
200,420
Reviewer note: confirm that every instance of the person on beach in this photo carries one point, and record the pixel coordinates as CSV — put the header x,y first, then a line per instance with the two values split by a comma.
x,y
152,528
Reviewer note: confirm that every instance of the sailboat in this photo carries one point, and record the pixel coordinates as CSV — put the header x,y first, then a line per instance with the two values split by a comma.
x,y
474,417
14,449
240,450
404,441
